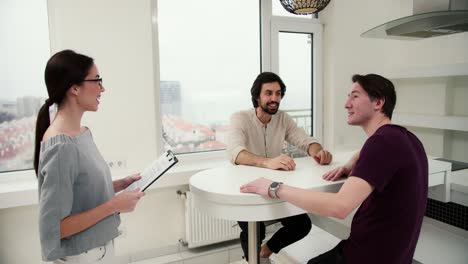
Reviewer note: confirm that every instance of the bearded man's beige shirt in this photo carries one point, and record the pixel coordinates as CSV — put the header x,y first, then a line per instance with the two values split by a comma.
x,y
247,132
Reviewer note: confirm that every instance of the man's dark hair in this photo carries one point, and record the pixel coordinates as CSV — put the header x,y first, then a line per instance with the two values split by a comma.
x,y
265,77
378,87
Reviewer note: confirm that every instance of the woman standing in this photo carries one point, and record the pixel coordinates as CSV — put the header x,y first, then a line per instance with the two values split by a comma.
x,y
78,208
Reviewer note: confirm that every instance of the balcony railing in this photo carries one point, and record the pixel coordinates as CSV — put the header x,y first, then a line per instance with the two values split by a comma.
x,y
303,119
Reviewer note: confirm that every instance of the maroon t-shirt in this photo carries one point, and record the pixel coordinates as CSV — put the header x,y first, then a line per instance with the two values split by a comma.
x,y
386,227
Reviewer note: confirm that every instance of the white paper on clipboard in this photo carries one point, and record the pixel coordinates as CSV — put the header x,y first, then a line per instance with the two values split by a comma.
x,y
154,171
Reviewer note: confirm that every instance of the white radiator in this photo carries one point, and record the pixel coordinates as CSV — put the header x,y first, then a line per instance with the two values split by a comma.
x,y
202,229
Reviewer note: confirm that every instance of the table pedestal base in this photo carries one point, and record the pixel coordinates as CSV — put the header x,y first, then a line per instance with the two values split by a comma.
x,y
253,235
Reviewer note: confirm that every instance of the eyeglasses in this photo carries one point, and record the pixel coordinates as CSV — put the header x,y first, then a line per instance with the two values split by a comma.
x,y
98,80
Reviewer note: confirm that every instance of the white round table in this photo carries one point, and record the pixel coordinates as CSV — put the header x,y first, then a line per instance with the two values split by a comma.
x,y
216,192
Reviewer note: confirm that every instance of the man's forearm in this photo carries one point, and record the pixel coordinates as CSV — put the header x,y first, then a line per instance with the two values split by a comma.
x,y
320,203
246,158
314,148
353,192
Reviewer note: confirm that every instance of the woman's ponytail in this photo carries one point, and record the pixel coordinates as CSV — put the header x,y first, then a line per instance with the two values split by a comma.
x,y
42,123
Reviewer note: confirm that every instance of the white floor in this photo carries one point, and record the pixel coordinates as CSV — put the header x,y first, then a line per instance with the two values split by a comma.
x,y
317,242
439,243
436,245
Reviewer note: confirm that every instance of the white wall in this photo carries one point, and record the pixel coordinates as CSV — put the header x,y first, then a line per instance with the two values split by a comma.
x,y
117,34
346,53
19,235
157,223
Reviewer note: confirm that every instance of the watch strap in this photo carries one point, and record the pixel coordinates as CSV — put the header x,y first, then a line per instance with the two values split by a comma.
x,y
273,189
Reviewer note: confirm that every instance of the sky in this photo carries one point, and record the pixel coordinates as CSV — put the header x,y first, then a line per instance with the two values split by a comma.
x,y
24,48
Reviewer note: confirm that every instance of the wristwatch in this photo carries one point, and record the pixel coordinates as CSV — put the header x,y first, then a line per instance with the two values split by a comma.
x,y
274,186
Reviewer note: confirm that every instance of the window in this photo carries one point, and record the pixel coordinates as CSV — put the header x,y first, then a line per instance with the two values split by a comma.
x,y
21,79
296,55
295,68
209,56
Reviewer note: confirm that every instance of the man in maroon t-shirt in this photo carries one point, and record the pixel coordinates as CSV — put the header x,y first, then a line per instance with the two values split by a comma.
x,y
387,179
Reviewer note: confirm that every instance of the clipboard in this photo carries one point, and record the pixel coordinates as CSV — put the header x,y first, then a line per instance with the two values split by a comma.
x,y
154,171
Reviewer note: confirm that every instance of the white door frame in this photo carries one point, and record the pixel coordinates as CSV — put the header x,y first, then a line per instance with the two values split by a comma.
x,y
308,26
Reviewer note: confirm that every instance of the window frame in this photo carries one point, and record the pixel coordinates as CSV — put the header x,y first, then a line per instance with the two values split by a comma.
x,y
268,62
315,28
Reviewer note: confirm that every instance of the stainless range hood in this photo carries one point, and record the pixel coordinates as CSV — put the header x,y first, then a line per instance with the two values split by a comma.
x,y
431,18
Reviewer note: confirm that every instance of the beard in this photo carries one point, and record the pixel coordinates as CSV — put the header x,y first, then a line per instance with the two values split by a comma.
x,y
270,111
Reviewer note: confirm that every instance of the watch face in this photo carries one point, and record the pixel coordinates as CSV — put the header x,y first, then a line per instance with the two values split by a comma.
x,y
275,184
